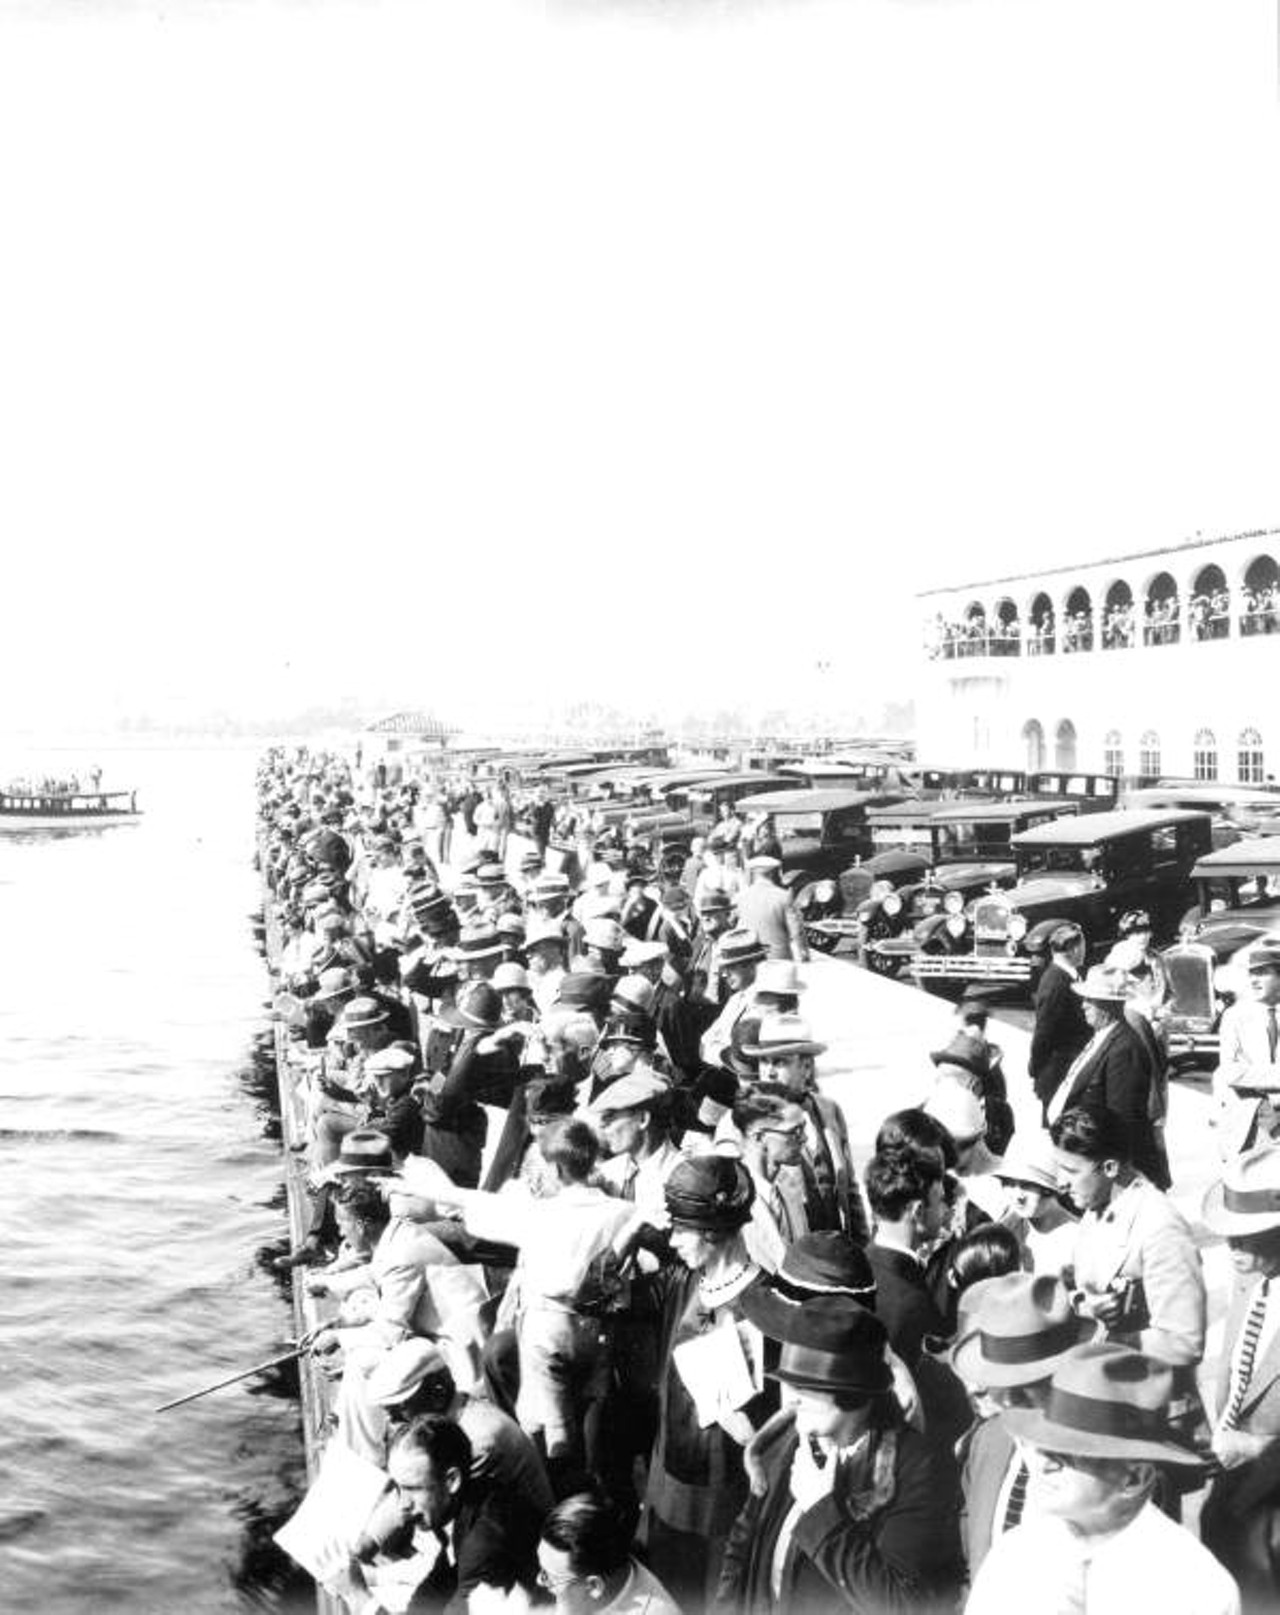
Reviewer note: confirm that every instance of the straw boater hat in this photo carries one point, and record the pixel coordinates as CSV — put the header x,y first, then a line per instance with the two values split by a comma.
x,y
1105,1401
477,942
835,1345
1247,1200
1104,984
1019,1328
550,884
782,1034
740,947
780,977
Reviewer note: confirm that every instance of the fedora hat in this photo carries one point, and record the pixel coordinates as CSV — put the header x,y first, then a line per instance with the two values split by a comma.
x,y
1019,1328
583,989
550,884
630,1026
637,953
510,928
740,947
1247,1200
964,1051
385,1062
782,1034
779,976
1264,955
734,1056
1104,984
715,900
333,984
834,1344
634,995
364,1149
491,875
1029,1159
478,1008
1105,1401
477,942
710,1192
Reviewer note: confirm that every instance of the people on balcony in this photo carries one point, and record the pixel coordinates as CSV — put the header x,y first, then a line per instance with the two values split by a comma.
x,y
1261,613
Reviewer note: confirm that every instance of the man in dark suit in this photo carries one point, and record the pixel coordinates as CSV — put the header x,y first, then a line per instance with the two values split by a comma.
x,y
1114,1071
1061,1030
907,1193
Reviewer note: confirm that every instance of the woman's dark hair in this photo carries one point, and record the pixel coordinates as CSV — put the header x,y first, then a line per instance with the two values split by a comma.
x,y
591,1531
571,1148
762,1101
988,1251
1093,1132
365,1203
895,1180
915,1131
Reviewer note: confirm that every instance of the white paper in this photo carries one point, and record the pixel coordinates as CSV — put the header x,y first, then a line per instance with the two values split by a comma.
x,y
715,1372
326,1526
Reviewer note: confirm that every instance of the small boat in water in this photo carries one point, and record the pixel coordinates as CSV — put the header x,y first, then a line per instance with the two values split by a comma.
x,y
66,810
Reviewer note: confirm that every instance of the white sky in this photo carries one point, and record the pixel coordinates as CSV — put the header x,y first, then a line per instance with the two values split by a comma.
x,y
640,352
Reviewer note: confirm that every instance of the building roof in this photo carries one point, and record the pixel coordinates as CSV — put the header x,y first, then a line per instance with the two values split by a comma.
x,y
424,724
1102,560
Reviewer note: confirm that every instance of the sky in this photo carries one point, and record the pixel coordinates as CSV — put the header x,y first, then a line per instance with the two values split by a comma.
x,y
490,358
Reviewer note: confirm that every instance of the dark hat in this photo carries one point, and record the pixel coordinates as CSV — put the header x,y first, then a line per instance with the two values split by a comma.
x,y
333,984
740,947
675,899
734,1056
478,1008
477,942
630,1027
550,1096
1065,936
710,1192
835,1344
531,861
715,900
825,1263
964,1051
1105,1401
364,1150
491,875
1137,919
1021,1325
583,989
362,1012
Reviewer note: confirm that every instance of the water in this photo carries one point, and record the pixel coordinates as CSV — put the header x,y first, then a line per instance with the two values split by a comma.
x,y
140,1194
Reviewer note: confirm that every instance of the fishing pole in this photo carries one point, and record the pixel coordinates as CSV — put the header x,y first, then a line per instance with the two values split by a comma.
x,y
300,1349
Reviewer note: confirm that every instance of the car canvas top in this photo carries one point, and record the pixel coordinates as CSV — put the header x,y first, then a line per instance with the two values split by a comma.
x,y
1083,830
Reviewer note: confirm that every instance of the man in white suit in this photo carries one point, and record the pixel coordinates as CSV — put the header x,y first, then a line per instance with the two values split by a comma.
x,y
1247,1081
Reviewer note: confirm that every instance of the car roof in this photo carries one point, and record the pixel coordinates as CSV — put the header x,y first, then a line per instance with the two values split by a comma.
x,y
819,801
1066,807
1156,795
1083,829
1241,857
908,811
745,775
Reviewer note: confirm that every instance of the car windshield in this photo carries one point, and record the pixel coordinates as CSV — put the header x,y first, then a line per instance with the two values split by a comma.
x,y
970,838
1058,860
798,826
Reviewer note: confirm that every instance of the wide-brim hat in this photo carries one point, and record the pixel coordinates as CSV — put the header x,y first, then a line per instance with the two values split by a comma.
x,y
583,989
491,875
740,947
1105,1401
538,931
782,1034
604,934
1019,1327
638,953
477,943
780,977
333,984
363,1012
1247,1200
1104,984
1264,955
477,1009
964,1051
713,1193
364,1149
835,1345
823,1263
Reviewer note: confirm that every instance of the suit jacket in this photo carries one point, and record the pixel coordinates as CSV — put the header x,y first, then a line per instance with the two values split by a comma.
x,y
986,1458
903,1302
1060,1031
1243,1047
1260,1411
841,1203
1118,1075
905,1555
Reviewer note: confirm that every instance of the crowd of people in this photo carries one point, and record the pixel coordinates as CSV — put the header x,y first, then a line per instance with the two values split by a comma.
x,y
624,1324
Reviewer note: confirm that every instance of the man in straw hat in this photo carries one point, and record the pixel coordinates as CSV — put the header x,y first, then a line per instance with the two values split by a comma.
x,y
1113,1070
1241,1518
850,1507
1246,1083
1016,1330
738,954
1099,1544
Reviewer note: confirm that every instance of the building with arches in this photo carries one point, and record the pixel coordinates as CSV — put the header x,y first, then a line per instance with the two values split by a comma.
x,y
1160,662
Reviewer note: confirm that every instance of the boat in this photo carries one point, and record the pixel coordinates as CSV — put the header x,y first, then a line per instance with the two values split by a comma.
x,y
66,810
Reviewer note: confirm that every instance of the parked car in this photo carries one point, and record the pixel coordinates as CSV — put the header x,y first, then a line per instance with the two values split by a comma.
x,y
1237,810
971,853
821,832
1089,868
1237,904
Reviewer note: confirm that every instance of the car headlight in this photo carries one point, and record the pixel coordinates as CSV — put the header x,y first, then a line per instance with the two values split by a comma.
x,y
955,925
1218,905
953,903
880,889
1017,927
825,891
892,904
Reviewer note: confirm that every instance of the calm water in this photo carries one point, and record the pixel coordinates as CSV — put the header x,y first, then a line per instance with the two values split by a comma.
x,y
140,1193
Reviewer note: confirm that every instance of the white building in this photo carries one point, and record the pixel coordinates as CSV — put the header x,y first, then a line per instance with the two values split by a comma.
x,y
1163,662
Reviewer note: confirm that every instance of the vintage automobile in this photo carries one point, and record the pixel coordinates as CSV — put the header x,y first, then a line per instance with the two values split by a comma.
x,y
970,853
1237,904
1090,868
1238,810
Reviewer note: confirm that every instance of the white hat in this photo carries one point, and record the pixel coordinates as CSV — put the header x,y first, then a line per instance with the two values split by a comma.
x,y
778,976
959,1110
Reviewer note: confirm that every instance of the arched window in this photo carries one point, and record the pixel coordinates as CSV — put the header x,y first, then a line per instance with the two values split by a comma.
x,y
1204,755
1249,760
1064,750
974,631
1033,745
1041,629
1160,624
1077,628
1149,755
1260,605
1209,609
1005,638
1113,753
1119,630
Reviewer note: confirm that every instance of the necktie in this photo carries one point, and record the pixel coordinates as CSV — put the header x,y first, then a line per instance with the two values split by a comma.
x,y
629,1182
1017,1497
1273,1031
1248,1351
